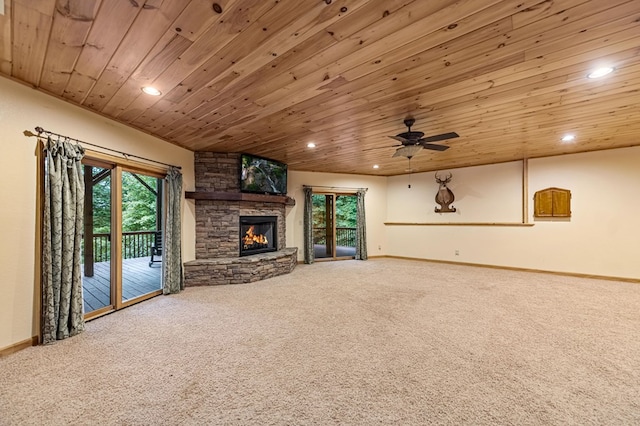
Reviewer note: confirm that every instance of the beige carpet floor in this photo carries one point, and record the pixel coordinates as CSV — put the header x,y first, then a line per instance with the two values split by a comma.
x,y
390,342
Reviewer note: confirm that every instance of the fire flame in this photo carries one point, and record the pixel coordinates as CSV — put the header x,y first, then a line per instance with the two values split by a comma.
x,y
250,238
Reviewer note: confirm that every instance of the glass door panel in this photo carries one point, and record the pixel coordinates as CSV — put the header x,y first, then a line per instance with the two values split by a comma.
x,y
323,243
96,242
141,235
346,220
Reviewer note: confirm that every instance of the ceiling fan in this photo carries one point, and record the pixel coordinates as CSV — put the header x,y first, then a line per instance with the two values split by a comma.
x,y
412,142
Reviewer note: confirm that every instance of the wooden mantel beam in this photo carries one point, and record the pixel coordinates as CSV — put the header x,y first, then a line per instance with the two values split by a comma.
x,y
240,196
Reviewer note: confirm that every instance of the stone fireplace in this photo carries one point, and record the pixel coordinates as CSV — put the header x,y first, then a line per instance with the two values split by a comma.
x,y
224,217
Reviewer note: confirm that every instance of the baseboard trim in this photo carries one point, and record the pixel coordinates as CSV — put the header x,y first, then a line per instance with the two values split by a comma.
x,y
513,268
19,346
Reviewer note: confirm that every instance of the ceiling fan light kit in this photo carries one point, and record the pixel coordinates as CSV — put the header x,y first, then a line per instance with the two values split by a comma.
x,y
412,142
407,151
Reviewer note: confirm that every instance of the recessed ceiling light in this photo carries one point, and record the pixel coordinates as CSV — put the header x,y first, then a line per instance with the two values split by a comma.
x,y
311,145
375,166
600,72
568,138
151,91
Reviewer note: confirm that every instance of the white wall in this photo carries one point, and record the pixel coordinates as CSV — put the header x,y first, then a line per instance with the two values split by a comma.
x,y
601,238
375,206
479,196
22,108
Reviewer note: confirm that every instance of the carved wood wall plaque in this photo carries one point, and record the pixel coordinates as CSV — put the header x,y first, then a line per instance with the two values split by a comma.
x,y
444,196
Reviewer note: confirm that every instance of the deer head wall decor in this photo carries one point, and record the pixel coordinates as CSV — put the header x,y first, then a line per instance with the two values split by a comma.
x,y
444,196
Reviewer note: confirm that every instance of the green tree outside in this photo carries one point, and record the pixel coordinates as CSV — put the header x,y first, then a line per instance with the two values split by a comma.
x,y
102,207
346,211
138,204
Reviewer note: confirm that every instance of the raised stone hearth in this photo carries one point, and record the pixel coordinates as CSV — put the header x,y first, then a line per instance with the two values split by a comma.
x,y
219,205
238,270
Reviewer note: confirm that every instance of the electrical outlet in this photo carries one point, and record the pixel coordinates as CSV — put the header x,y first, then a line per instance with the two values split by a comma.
x,y
457,252
379,247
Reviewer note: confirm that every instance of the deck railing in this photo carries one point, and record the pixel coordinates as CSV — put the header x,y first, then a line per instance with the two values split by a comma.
x,y
345,237
134,244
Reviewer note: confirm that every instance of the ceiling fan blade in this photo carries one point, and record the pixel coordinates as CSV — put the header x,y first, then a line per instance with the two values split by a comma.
x,y
400,139
442,137
381,147
434,147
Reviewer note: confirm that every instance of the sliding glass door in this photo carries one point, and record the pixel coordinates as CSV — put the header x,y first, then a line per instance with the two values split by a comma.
x,y
334,226
141,234
96,242
122,240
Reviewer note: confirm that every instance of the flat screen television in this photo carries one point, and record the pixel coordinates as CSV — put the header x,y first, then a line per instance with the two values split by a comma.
x,y
262,176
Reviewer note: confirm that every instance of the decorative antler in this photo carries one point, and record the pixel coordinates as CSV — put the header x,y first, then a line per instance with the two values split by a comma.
x,y
445,180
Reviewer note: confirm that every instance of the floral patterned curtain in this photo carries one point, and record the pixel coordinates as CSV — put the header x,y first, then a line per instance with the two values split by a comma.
x,y
63,220
361,227
308,226
172,273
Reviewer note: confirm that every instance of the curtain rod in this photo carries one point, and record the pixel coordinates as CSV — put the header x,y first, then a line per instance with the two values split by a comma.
x,y
40,131
333,187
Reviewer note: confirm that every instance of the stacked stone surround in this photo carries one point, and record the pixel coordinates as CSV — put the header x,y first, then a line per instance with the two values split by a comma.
x,y
217,172
217,229
218,222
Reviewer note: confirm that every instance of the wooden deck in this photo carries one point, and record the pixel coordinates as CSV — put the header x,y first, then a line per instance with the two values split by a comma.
x,y
138,278
320,251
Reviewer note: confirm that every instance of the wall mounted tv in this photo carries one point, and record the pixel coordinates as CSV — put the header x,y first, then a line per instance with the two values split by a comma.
x,y
262,176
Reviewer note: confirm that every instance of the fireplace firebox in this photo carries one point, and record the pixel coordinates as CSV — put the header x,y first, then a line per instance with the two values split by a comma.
x,y
258,234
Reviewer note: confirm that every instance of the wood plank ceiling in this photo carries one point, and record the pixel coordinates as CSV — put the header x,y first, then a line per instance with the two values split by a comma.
x,y
269,76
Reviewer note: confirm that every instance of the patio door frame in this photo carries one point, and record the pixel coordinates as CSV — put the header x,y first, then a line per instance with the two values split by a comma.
x,y
117,167
333,223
